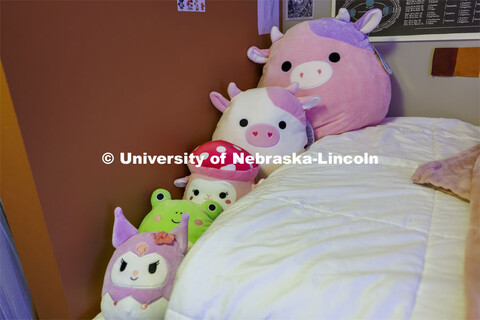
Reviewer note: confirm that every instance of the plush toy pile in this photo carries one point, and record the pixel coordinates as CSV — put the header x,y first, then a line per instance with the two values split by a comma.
x,y
321,77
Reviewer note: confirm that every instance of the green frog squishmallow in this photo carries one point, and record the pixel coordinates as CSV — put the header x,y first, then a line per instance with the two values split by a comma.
x,y
166,215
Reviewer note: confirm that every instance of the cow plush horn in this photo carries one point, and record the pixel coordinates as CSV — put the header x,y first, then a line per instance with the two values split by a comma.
x,y
275,34
233,90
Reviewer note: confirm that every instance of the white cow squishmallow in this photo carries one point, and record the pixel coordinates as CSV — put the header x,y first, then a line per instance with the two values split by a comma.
x,y
140,275
267,121
331,58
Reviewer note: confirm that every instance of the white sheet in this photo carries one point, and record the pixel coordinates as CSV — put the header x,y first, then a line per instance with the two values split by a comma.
x,y
338,241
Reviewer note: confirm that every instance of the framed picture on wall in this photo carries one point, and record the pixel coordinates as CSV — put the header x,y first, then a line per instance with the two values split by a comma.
x,y
411,20
298,9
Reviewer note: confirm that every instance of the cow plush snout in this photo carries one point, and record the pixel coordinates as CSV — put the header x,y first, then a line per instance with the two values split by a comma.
x,y
262,135
311,74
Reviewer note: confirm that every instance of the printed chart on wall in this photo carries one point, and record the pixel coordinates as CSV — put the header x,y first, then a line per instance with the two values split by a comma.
x,y
407,20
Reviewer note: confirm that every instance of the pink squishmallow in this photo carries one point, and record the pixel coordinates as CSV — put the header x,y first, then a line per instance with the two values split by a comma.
x,y
223,175
267,122
140,275
331,58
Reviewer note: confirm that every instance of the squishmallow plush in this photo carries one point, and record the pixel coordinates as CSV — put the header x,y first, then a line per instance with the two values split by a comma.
x,y
140,275
166,214
267,121
331,58
223,175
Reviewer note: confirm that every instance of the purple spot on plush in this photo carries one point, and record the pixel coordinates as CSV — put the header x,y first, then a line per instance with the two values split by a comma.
x,y
286,101
340,30
437,166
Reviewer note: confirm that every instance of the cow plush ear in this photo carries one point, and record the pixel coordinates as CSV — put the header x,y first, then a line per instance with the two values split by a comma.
x,y
219,101
369,21
309,102
258,55
343,15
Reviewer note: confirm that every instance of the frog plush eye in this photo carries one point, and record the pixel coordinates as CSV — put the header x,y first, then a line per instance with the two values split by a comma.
x,y
160,195
212,209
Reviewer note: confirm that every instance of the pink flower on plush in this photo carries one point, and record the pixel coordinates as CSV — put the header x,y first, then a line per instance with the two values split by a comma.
x,y
163,237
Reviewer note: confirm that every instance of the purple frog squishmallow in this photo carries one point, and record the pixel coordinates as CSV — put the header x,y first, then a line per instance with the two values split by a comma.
x,y
264,121
140,275
331,58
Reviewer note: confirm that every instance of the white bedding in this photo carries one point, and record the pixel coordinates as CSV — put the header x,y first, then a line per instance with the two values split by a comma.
x,y
338,241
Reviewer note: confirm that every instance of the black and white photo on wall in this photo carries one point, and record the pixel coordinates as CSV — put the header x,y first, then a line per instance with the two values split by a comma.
x,y
299,9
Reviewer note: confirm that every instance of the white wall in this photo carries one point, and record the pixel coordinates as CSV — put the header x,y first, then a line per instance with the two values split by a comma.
x,y
414,91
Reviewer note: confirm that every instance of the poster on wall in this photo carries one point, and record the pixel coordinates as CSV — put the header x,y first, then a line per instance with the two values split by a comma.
x,y
268,15
191,5
299,9
410,20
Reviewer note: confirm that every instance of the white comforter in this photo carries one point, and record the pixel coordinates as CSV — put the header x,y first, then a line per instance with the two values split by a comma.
x,y
338,241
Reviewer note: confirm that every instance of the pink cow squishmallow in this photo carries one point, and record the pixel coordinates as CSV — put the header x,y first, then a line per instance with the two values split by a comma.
x,y
219,177
140,275
331,58
265,121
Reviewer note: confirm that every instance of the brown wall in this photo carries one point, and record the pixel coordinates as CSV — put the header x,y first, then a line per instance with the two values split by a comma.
x,y
20,199
88,77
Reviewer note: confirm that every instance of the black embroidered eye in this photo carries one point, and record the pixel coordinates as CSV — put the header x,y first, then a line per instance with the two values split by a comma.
x,y
152,267
196,192
223,195
287,65
123,265
160,196
212,207
243,123
282,124
334,57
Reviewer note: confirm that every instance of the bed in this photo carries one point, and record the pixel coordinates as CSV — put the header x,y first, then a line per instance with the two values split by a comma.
x,y
339,241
